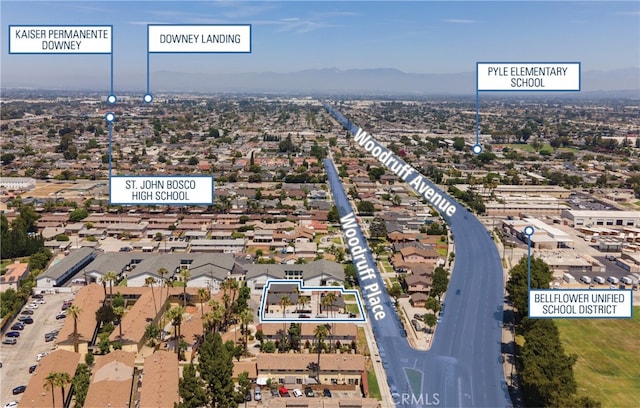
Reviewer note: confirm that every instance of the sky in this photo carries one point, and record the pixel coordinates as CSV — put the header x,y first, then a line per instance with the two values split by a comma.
x,y
288,36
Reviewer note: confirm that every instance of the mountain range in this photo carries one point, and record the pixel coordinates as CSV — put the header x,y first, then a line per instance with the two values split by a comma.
x,y
376,81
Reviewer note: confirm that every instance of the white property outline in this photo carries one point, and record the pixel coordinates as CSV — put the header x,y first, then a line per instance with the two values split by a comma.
x,y
302,288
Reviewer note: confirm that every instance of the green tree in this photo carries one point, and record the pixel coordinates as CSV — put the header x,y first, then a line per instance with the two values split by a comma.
x,y
191,389
430,320
216,370
458,143
517,287
440,282
395,291
547,373
365,207
78,214
432,304
80,383
378,228
332,215
244,386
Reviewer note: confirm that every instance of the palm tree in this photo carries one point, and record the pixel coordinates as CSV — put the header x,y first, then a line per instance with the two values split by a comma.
x,y
303,300
62,380
320,333
330,298
119,312
110,277
284,302
246,317
162,272
50,383
203,296
216,316
149,281
185,274
74,312
175,314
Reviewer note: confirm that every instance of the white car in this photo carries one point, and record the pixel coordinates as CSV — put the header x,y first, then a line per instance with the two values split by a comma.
x,y
39,356
39,302
32,306
11,404
297,393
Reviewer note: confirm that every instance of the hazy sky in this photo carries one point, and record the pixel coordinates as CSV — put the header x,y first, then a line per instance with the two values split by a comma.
x,y
414,36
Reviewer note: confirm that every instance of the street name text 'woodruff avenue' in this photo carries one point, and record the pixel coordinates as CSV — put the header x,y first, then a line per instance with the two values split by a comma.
x,y
358,250
405,172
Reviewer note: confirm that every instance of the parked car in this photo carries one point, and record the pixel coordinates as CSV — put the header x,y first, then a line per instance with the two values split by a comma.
x,y
38,296
33,368
19,389
61,315
13,334
12,404
9,340
25,319
326,392
297,393
418,316
49,337
26,312
309,392
257,394
248,396
32,306
284,392
39,356
274,392
18,326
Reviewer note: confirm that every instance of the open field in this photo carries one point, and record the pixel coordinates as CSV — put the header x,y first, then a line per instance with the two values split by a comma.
x,y
529,148
608,350
46,190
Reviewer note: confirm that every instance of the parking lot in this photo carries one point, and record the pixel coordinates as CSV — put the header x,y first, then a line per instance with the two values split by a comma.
x,y
16,359
267,396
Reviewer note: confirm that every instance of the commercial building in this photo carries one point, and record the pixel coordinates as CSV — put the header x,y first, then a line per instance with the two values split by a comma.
x,y
611,219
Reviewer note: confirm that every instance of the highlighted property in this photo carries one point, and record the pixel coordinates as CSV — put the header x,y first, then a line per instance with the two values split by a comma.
x,y
286,300
67,39
227,38
159,190
580,303
528,76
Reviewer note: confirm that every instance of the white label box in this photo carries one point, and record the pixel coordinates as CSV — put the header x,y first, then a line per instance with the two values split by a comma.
x,y
66,39
580,303
528,76
159,190
199,38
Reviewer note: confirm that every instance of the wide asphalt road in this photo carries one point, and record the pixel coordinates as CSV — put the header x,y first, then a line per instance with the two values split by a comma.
x,y
464,366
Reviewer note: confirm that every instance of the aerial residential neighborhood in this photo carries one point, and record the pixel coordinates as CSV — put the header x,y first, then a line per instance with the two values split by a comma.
x,y
319,204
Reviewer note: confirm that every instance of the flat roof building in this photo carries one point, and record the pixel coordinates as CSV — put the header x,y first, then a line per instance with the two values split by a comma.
x,y
611,219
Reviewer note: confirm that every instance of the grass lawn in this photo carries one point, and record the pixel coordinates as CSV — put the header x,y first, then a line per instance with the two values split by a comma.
x,y
415,380
608,365
528,148
349,298
442,251
374,388
352,308
361,342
